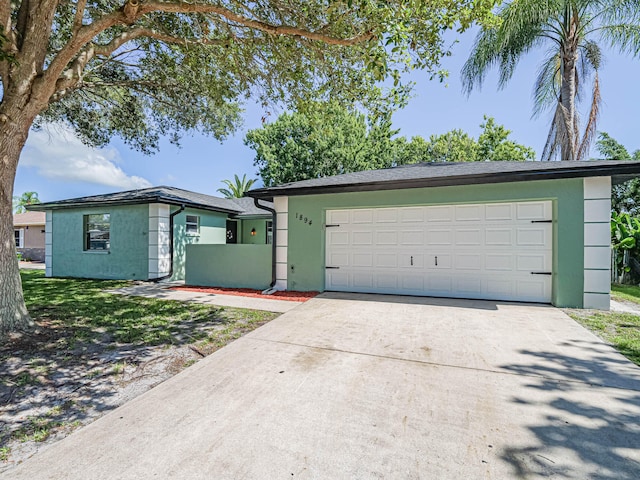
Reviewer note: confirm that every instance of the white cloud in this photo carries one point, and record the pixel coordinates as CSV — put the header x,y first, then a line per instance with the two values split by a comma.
x,y
58,154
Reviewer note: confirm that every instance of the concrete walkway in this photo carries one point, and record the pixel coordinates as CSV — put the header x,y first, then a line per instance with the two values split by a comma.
x,y
163,291
368,386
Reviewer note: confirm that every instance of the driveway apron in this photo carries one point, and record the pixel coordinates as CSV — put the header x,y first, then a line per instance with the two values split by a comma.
x,y
349,386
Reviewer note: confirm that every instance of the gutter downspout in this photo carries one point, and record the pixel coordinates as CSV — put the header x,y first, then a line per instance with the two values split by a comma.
x,y
274,220
170,274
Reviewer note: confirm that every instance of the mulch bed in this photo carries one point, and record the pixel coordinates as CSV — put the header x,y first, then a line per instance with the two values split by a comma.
x,y
247,292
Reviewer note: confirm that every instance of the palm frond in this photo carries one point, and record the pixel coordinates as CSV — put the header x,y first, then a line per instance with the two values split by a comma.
x,y
590,129
546,89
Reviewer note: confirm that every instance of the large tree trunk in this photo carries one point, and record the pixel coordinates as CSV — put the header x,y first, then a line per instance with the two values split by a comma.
x,y
13,312
569,146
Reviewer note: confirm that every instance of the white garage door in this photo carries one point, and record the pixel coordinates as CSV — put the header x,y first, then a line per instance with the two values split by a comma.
x,y
499,251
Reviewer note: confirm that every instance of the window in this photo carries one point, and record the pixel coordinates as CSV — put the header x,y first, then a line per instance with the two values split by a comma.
x,y
19,236
96,232
193,224
269,232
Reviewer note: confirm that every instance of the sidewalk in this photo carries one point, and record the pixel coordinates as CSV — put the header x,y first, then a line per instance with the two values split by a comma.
x,y
163,290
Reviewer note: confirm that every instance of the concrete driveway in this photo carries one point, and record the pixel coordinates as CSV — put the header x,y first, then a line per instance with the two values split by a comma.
x,y
365,386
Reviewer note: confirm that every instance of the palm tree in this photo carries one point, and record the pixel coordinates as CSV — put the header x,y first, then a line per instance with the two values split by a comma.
x,y
27,198
570,31
237,188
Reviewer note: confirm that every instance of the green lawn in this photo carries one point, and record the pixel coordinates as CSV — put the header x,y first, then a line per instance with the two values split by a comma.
x,y
622,330
83,309
631,293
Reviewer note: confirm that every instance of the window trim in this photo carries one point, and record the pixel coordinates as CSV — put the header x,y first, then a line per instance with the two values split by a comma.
x,y
269,232
86,240
19,238
187,223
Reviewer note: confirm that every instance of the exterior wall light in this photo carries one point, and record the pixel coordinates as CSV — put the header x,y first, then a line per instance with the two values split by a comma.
x,y
253,232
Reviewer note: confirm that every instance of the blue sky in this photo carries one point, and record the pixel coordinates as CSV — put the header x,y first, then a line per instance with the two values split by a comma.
x,y
56,165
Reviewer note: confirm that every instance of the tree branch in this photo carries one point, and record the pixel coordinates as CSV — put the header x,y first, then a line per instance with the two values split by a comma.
x,y
170,7
77,19
80,48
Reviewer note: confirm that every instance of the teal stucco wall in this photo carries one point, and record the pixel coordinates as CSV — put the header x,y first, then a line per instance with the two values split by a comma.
x,y
305,262
213,229
128,257
233,266
260,238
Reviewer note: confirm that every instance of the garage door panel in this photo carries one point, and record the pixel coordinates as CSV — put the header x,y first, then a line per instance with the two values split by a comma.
x,y
362,259
499,212
539,262
439,236
469,213
386,260
412,282
412,237
466,251
468,261
498,237
386,237
499,261
468,236
411,261
362,216
362,238
439,214
338,238
362,280
387,282
499,287
341,217
533,210
533,236
412,215
338,259
385,215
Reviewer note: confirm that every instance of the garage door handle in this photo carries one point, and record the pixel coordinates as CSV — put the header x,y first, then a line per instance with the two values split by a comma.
x,y
541,221
332,268
541,273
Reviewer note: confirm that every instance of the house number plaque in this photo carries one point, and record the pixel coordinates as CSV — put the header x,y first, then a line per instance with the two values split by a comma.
x,y
302,218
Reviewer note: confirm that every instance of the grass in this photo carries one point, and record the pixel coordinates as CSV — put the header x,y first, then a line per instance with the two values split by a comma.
x,y
83,308
631,293
622,330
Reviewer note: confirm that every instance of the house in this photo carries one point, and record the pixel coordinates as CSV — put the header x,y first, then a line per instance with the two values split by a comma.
x,y
28,229
143,234
519,231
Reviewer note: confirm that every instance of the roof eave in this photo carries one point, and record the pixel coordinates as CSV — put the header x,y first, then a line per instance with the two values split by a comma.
x,y
176,202
620,172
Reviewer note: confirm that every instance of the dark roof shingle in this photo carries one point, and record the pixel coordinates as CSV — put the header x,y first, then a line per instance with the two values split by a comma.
x,y
162,194
449,173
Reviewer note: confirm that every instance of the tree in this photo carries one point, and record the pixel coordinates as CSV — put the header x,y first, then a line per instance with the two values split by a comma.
x,y
571,30
625,197
321,141
238,187
27,198
458,146
145,69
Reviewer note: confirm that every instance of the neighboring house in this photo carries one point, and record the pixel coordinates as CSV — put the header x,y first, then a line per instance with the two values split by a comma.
x,y
143,234
520,231
28,229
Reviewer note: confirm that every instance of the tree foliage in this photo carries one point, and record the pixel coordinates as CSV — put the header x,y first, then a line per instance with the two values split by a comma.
x,y
238,187
322,141
625,197
27,198
573,32
456,145
331,140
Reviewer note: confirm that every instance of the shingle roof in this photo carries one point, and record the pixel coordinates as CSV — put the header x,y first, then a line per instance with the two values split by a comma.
x,y
162,194
444,174
248,207
29,218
